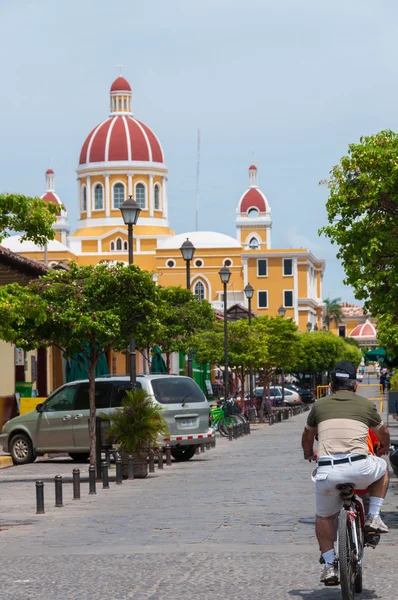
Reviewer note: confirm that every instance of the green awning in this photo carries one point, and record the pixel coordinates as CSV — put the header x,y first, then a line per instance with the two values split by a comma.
x,y
376,354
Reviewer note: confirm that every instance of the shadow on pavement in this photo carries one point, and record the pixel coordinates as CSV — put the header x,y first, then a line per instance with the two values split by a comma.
x,y
329,594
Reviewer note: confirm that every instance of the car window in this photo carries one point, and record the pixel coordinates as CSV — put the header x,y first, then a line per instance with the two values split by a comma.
x,y
287,393
119,391
62,400
103,393
274,392
176,390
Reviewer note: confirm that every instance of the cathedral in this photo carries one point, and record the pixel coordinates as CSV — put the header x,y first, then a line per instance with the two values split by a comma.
x,y
121,157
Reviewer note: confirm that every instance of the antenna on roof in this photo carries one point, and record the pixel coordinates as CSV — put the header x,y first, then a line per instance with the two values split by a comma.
x,y
197,183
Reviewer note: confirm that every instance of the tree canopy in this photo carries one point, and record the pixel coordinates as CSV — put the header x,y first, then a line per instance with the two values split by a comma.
x,y
318,352
333,312
362,213
31,216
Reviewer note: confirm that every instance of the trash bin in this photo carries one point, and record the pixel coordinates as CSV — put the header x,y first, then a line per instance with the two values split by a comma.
x,y
24,388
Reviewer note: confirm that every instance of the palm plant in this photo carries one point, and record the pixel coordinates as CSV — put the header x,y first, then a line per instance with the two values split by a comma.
x,y
333,312
137,424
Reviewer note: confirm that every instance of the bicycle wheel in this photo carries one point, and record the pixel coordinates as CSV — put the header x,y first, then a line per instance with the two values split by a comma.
x,y
347,571
225,423
360,535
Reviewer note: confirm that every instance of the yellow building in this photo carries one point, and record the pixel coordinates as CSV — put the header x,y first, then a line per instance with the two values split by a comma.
x,y
121,157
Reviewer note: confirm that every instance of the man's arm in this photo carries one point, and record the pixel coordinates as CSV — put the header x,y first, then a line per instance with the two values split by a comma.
x,y
307,442
383,434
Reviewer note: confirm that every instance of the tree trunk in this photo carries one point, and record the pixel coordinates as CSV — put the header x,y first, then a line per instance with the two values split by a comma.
x,y
168,362
242,395
91,395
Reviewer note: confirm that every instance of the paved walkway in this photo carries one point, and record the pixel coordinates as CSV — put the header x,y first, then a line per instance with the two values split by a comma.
x,y
234,523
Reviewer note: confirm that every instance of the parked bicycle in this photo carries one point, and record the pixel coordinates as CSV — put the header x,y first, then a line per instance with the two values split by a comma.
x,y
225,415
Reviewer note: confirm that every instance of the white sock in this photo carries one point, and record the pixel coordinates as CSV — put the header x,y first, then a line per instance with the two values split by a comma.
x,y
375,505
328,557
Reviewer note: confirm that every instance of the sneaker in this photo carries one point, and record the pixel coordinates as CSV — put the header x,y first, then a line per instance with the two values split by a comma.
x,y
375,525
330,575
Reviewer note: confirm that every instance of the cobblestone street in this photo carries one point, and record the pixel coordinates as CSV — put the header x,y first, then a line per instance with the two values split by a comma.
x,y
235,522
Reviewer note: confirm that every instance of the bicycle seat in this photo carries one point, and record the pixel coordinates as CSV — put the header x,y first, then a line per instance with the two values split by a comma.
x,y
346,490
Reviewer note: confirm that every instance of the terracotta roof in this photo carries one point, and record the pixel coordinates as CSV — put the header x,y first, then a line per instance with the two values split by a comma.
x,y
21,263
352,310
253,198
364,331
252,168
120,85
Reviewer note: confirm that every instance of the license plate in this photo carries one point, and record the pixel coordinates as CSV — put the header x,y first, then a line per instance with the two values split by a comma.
x,y
186,422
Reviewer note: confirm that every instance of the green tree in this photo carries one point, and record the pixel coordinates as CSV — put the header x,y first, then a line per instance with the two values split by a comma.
x,y
86,310
32,216
362,214
333,312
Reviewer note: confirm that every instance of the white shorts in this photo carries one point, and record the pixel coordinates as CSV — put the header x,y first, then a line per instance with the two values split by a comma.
x,y
361,473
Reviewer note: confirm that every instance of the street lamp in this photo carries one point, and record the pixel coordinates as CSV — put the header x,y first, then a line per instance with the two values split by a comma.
x,y
130,210
188,250
315,327
249,291
281,311
225,275
309,326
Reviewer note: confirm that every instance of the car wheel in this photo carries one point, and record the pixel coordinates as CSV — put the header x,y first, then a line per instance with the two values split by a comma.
x,y
181,454
21,449
79,456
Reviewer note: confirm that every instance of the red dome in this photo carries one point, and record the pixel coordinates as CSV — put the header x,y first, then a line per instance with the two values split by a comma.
x,y
121,138
120,85
253,198
51,197
49,172
365,330
252,168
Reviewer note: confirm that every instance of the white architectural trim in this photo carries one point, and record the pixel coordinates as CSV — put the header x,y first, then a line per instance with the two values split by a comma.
x,y
296,290
205,281
127,130
165,203
245,278
257,273
283,267
88,181
146,139
129,184
118,222
107,196
146,193
108,138
157,186
269,237
88,151
250,237
144,167
94,185
293,297
150,196
258,300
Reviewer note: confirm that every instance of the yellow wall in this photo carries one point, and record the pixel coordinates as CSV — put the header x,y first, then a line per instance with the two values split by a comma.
x,y
7,369
89,246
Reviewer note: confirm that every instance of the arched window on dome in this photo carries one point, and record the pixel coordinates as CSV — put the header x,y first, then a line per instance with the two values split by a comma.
x,y
98,197
125,246
254,244
199,290
118,244
157,197
112,246
119,194
140,195
84,198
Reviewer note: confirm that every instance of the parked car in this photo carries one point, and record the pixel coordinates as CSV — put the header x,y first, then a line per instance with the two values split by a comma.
x,y
306,395
60,424
291,398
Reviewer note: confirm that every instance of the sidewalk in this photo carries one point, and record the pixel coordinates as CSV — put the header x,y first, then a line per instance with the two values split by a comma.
x,y
236,522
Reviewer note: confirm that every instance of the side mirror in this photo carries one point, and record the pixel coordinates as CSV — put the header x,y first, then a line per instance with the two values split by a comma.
x,y
40,408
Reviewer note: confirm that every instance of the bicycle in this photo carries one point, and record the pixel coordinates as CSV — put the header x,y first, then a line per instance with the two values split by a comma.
x,y
221,418
351,541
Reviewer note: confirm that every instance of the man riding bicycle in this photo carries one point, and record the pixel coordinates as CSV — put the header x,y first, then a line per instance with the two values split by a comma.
x,y
342,422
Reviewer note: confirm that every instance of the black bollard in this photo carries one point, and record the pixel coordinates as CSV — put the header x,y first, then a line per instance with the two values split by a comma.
x,y
208,446
248,427
151,461
230,433
91,480
119,471
105,475
235,428
39,498
168,456
58,491
202,448
160,458
76,484
108,457
197,450
130,467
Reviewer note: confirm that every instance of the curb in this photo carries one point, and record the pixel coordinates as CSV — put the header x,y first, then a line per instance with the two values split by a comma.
x,y
6,461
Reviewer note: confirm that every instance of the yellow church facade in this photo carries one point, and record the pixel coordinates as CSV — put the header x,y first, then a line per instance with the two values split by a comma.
x,y
122,157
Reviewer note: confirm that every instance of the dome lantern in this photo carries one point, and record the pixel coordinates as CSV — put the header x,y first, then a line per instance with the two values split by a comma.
x,y
121,97
49,180
253,176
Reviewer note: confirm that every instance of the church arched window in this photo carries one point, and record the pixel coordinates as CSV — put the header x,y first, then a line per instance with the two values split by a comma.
x,y
125,246
157,197
118,244
140,196
118,194
98,197
254,244
112,245
199,290
84,198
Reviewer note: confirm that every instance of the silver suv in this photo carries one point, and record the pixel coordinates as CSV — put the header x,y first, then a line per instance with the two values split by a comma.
x,y
60,424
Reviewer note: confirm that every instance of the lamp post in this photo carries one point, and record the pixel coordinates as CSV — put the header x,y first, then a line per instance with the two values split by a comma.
x,y
225,275
309,326
188,250
249,291
130,212
281,313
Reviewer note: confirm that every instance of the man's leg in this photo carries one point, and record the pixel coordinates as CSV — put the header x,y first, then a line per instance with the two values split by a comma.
x,y
325,532
377,491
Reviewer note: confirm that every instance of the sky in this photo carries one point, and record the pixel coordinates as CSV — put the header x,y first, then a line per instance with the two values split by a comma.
x,y
284,84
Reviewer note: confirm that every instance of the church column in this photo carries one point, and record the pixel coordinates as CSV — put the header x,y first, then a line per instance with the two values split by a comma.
x,y
150,195
88,181
296,290
129,185
245,280
107,196
80,196
164,199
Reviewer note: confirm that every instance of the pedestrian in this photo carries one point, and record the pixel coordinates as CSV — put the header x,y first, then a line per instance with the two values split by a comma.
x,y
383,380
